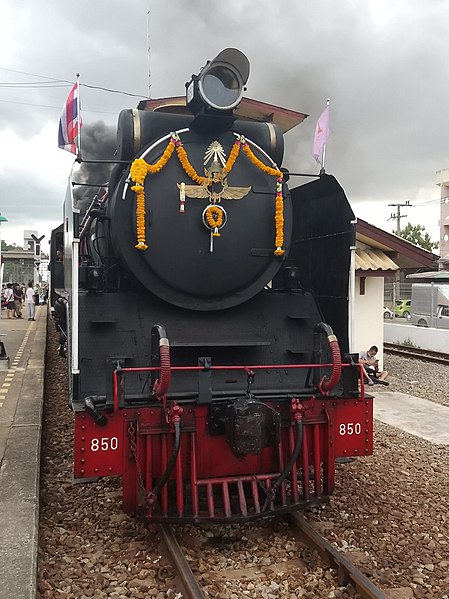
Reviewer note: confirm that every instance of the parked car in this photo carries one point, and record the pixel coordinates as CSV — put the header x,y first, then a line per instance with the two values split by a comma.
x,y
403,308
388,313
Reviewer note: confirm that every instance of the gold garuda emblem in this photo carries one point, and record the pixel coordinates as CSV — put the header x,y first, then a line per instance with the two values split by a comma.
x,y
215,187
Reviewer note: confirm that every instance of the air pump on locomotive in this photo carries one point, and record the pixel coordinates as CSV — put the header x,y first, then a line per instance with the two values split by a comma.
x,y
204,310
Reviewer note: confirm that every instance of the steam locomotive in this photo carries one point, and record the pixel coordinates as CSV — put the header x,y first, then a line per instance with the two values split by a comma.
x,y
203,308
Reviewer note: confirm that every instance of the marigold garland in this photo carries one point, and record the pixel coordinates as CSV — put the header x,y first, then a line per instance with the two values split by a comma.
x,y
279,209
214,217
140,217
233,154
140,169
279,219
138,172
185,163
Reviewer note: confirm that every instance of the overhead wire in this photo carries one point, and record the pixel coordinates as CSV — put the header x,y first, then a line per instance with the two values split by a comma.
x,y
31,74
53,107
32,86
62,81
427,202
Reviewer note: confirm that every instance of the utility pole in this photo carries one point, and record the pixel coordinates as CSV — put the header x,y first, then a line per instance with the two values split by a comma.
x,y
397,217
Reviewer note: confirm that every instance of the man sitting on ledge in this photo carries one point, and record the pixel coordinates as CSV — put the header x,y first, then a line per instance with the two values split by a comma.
x,y
370,367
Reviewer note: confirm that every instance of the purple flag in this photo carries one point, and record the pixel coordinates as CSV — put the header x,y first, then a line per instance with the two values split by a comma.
x,y
321,135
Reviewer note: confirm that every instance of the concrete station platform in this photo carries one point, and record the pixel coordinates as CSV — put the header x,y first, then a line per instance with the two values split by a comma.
x,y
419,417
21,398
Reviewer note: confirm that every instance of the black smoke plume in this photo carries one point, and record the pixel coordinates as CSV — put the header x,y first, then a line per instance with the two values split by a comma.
x,y
98,142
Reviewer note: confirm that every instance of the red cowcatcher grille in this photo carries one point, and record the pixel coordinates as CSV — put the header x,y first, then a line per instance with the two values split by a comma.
x,y
209,483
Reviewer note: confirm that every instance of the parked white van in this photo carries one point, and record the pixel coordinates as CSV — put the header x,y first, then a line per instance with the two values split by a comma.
x,y
430,302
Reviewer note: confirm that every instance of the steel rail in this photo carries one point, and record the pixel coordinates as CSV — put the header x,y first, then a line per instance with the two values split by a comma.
x,y
417,353
346,571
189,582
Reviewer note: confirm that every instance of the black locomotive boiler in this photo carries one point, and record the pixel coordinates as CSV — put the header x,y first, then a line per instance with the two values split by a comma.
x,y
203,305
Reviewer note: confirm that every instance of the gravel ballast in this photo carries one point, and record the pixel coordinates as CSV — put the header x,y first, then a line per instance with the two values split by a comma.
x,y
388,514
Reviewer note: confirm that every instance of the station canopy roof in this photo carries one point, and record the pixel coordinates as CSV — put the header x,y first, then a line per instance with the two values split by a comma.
x,y
401,252
433,275
370,259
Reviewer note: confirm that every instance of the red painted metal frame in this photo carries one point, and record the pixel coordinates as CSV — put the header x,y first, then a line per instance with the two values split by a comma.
x,y
196,368
226,496
98,450
209,482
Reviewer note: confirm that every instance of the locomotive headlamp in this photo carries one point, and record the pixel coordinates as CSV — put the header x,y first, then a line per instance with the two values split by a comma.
x,y
220,84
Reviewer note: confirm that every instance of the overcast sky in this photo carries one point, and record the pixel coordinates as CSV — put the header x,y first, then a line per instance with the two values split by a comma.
x,y
382,63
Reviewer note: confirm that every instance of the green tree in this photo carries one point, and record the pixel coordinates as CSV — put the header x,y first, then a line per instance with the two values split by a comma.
x,y
418,235
6,247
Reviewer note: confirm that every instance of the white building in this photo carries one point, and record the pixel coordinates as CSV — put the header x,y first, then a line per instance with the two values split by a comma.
x,y
379,255
442,179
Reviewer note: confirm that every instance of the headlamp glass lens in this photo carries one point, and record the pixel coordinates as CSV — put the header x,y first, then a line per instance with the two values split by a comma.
x,y
221,87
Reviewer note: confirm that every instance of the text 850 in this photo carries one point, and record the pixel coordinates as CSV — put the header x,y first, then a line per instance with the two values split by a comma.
x,y
350,428
104,444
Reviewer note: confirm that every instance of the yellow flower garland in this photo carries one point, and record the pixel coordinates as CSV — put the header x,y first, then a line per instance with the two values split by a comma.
x,y
214,217
140,217
185,163
138,172
233,155
140,169
279,210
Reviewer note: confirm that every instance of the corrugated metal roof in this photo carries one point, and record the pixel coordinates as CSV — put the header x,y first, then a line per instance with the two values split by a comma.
x,y
407,255
373,260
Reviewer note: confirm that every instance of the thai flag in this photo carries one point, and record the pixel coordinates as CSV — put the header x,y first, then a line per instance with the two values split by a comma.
x,y
70,122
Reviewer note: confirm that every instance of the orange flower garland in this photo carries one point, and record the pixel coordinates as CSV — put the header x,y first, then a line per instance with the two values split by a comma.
x,y
279,209
140,217
191,172
279,219
138,172
233,155
185,163
214,217
140,169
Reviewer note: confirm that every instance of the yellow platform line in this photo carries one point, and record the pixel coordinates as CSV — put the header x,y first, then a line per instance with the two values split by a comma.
x,y
13,369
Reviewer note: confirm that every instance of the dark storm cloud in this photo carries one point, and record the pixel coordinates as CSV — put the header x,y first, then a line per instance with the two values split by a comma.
x,y
382,64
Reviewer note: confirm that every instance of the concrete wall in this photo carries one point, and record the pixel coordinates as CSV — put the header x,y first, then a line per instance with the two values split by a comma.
x,y
432,339
368,316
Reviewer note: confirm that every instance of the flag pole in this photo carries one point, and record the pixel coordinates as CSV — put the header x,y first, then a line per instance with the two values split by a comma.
x,y
322,170
78,142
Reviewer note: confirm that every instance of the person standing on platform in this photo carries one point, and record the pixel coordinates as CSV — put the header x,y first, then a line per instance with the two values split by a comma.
x,y
9,301
29,296
18,298
36,295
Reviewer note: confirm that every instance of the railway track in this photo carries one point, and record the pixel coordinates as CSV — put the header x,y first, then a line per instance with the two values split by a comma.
x,y
191,588
346,574
417,353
